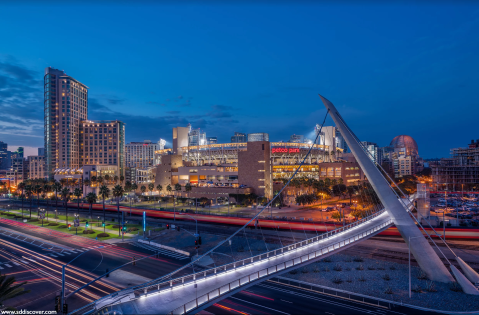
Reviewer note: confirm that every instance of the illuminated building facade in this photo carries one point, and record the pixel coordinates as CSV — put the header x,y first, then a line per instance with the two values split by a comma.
x,y
239,138
103,143
65,105
36,166
142,154
259,136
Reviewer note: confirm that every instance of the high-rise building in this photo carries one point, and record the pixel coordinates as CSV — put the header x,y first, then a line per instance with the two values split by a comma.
x,y
239,138
296,139
36,166
142,154
212,140
180,138
41,152
259,136
5,156
331,136
196,137
372,149
65,106
103,143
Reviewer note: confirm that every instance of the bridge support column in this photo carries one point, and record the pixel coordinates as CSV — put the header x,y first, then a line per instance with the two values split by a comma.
x,y
420,248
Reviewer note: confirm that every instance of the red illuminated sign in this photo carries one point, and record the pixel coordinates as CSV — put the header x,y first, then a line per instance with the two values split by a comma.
x,y
285,150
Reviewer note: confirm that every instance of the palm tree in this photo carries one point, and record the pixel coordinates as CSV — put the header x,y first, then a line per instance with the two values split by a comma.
x,y
57,187
104,193
9,291
93,180
118,192
151,186
159,188
37,189
65,193
99,180
134,187
29,192
107,178
143,189
21,187
122,178
351,190
91,199
77,192
115,179
168,188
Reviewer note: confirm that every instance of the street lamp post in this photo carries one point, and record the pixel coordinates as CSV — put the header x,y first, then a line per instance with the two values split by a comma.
x,y
63,274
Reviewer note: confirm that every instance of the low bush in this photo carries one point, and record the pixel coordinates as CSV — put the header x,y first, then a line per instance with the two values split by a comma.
x,y
304,270
103,235
362,279
293,272
422,275
337,280
381,267
89,232
349,279
358,259
431,286
315,269
62,226
53,224
388,290
132,229
348,259
454,286
386,277
392,268
240,249
416,288
360,267
327,260
338,267
326,269
348,269
371,268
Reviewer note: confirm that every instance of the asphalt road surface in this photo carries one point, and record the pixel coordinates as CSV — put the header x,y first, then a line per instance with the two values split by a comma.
x,y
272,298
36,255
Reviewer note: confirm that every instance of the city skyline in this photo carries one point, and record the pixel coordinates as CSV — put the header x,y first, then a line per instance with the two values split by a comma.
x,y
238,79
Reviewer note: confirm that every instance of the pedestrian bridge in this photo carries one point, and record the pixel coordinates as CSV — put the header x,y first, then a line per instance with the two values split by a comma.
x,y
202,289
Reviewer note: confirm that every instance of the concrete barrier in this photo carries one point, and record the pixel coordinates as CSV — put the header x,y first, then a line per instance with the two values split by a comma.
x,y
164,247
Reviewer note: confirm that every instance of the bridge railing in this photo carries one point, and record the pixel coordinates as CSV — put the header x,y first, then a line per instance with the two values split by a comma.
x,y
213,294
162,284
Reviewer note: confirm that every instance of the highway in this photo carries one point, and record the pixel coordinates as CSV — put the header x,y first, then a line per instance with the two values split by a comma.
x,y
272,298
36,255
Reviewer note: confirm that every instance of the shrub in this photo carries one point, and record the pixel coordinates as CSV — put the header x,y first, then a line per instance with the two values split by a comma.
x,y
349,279
416,288
386,277
293,272
422,275
348,259
53,224
103,235
358,259
392,268
454,286
116,226
348,269
316,269
338,267
88,232
431,286
11,214
132,229
240,249
371,268
381,267
326,269
62,226
327,260
360,267
337,280
388,290
33,220
304,270
362,279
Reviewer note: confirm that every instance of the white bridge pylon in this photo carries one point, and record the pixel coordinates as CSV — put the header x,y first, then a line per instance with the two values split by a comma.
x,y
202,289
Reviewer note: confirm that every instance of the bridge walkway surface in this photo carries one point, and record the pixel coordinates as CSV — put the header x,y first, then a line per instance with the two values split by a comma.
x,y
202,289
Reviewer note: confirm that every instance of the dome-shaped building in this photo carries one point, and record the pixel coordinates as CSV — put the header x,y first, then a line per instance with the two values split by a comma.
x,y
407,142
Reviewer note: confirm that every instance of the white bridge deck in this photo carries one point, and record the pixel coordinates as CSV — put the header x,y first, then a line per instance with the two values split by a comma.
x,y
180,295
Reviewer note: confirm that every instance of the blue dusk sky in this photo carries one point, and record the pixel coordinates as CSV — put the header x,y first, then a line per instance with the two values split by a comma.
x,y
398,68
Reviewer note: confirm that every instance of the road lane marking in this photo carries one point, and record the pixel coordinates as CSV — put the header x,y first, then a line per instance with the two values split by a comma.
x,y
8,265
286,301
259,305
16,263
